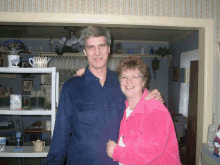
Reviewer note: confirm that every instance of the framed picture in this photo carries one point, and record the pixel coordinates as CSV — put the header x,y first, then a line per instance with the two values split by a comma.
x,y
26,100
175,73
27,85
26,64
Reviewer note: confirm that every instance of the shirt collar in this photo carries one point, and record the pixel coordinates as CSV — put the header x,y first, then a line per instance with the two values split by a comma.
x,y
89,76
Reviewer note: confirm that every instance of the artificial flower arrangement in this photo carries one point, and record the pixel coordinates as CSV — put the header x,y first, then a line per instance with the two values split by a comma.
x,y
39,93
65,48
15,46
67,45
5,91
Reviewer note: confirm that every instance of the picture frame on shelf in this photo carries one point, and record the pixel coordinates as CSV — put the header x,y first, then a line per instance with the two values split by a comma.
x,y
26,101
26,64
27,85
175,73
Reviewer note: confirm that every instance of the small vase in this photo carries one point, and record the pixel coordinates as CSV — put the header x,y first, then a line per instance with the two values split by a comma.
x,y
13,61
151,50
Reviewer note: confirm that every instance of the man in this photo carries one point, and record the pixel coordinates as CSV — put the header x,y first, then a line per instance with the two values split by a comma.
x,y
90,107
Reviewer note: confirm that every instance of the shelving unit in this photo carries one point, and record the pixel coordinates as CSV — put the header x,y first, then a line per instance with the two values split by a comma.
x,y
54,93
52,54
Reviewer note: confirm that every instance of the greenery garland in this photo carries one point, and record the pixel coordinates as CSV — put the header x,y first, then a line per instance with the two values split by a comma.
x,y
163,52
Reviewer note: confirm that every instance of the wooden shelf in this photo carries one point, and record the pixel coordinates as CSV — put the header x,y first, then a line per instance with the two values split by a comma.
x,y
52,54
82,54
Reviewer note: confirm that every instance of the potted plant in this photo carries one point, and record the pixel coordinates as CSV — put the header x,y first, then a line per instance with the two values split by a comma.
x,y
14,47
163,52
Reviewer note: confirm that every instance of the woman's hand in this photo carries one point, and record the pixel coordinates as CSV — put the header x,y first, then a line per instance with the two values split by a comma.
x,y
80,72
110,148
154,94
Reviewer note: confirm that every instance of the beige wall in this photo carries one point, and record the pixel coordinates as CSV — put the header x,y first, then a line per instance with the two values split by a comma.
x,y
116,12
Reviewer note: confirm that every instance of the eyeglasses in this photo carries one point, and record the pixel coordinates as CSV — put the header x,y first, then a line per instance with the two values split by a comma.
x,y
132,78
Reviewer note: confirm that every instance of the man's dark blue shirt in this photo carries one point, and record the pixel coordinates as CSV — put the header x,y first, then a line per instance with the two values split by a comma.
x,y
88,116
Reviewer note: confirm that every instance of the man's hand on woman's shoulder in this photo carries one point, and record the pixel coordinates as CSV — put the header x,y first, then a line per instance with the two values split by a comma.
x,y
80,72
154,94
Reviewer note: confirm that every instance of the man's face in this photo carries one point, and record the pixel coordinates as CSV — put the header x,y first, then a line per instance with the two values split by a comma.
x,y
97,52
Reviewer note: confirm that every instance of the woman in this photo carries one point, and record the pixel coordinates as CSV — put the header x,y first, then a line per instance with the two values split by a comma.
x,y
147,134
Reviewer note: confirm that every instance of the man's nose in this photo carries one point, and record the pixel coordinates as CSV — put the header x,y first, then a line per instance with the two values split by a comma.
x,y
97,51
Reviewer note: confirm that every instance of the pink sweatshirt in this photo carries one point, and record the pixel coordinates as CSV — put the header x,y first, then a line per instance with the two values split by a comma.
x,y
149,136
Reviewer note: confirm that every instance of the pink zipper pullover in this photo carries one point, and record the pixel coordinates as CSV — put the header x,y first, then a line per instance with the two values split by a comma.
x,y
149,136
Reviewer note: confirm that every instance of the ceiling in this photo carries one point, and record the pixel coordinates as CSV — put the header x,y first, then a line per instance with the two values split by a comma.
x,y
45,32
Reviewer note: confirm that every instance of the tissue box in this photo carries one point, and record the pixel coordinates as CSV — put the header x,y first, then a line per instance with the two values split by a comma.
x,y
15,102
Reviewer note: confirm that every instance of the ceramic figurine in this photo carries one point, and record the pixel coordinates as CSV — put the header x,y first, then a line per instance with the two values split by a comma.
x,y
40,49
217,143
18,136
29,49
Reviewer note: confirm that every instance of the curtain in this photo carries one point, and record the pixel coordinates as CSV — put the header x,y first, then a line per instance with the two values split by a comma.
x,y
184,99
185,59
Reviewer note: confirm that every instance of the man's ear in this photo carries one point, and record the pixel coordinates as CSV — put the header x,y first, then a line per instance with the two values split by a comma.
x,y
108,49
84,52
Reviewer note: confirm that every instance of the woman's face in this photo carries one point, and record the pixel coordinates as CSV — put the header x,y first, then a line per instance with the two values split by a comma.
x,y
132,83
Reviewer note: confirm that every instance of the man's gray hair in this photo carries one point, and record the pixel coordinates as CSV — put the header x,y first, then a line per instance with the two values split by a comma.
x,y
94,31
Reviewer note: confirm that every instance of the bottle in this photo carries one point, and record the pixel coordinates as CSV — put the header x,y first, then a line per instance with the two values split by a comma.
x,y
151,50
142,50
